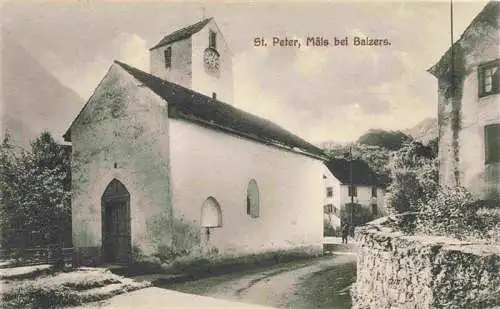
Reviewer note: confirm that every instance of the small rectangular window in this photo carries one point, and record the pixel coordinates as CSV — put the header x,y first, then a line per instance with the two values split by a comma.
x,y
329,192
374,191
212,40
492,143
353,191
374,209
489,78
328,208
168,57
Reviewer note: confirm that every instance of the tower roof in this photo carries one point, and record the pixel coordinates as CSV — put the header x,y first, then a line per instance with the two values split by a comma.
x,y
183,33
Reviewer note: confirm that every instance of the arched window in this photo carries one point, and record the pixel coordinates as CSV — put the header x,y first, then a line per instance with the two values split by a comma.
x,y
211,214
253,207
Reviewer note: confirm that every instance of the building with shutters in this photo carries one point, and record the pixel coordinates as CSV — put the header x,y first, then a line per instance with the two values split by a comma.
x,y
469,107
162,161
344,184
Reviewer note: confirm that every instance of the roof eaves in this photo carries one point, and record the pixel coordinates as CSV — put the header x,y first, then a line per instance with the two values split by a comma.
x,y
441,66
67,134
269,142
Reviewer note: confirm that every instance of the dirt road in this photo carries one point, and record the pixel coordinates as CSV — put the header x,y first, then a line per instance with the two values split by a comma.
x,y
317,283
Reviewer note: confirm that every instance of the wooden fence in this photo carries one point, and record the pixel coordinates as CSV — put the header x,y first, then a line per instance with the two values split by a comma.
x,y
52,254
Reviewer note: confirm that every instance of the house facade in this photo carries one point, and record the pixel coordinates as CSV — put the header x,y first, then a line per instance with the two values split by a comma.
x,y
366,190
469,107
159,162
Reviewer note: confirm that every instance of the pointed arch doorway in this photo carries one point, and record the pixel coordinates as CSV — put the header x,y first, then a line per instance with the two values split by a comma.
x,y
115,213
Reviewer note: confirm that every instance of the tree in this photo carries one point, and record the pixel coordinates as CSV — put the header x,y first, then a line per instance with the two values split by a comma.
x,y
360,215
35,204
414,176
376,157
433,145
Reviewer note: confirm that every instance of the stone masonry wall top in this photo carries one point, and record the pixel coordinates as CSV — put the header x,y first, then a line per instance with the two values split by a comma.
x,y
411,271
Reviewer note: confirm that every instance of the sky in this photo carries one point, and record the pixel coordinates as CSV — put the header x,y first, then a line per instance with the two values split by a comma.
x,y
319,93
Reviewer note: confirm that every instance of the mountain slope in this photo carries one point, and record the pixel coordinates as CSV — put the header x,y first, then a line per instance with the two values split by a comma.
x,y
424,131
32,99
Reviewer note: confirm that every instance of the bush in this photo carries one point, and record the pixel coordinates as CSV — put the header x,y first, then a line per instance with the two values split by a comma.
x,y
329,230
414,179
186,237
454,212
360,214
489,219
414,174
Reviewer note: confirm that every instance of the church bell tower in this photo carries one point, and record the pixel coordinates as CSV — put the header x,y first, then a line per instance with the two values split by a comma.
x,y
196,57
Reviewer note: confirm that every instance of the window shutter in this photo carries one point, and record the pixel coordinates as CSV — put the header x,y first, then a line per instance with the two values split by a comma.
x,y
496,79
353,191
329,192
212,43
489,78
168,57
492,143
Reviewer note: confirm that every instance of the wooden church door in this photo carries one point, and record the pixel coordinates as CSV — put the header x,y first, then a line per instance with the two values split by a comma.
x,y
116,234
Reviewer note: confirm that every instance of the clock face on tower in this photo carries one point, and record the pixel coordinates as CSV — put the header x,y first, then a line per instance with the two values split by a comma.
x,y
211,60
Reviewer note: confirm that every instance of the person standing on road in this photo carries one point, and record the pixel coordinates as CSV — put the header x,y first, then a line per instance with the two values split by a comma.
x,y
345,232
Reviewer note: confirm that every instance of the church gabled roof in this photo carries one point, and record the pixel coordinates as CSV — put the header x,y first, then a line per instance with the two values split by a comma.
x,y
186,104
183,33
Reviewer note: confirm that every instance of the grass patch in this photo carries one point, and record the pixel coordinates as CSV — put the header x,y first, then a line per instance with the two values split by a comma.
x,y
63,289
203,286
329,288
214,263
81,286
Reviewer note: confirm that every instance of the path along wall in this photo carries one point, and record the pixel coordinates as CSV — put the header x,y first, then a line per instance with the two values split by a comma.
x,y
398,271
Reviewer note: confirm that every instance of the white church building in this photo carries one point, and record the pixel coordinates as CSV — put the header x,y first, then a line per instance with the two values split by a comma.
x,y
163,161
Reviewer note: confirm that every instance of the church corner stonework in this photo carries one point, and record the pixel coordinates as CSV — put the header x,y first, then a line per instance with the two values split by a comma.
x,y
121,134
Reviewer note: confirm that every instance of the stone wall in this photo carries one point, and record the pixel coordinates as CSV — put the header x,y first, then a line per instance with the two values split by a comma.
x,y
401,271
